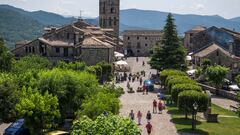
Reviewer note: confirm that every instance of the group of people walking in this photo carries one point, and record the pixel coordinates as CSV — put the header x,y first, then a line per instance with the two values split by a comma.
x,y
160,105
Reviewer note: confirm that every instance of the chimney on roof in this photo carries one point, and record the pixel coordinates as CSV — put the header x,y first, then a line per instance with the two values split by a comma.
x,y
53,29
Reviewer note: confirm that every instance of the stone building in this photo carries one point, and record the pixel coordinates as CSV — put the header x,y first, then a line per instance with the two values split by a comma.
x,y
227,39
188,37
218,55
140,42
79,41
109,18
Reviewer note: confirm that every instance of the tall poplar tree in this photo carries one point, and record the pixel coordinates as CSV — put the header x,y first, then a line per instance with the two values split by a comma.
x,y
170,54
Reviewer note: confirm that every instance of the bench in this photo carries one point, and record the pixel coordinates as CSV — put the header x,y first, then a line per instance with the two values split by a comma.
x,y
233,108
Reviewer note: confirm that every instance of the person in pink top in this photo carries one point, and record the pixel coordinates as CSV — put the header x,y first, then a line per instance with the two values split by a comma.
x,y
160,106
139,116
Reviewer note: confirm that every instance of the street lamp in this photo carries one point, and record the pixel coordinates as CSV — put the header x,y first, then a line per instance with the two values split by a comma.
x,y
194,115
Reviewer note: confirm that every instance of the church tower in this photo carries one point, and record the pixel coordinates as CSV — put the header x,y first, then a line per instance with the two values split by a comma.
x,y
109,15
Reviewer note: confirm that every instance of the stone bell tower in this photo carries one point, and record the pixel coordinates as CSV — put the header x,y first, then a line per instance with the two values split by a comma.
x,y
109,15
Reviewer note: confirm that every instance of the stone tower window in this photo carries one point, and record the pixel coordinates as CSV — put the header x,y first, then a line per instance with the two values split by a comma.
x,y
110,21
138,45
115,21
68,35
113,10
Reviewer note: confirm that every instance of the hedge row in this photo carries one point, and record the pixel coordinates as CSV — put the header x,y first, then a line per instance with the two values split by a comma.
x,y
184,91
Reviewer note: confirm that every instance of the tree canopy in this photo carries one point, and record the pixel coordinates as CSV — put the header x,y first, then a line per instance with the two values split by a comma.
x,y
216,74
171,53
98,103
105,125
9,96
39,111
6,57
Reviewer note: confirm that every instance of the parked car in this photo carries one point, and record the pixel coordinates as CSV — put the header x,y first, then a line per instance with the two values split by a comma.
x,y
17,128
58,132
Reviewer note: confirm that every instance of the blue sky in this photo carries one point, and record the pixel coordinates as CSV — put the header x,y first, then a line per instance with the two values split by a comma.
x,y
225,8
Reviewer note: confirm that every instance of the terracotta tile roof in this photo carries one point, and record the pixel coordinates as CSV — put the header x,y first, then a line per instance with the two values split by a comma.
x,y
211,48
57,42
196,29
92,42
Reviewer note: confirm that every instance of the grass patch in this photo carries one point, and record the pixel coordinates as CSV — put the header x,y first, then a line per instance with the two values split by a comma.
x,y
219,110
225,126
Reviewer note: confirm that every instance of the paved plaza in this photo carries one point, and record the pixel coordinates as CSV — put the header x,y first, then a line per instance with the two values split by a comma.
x,y
137,101
223,102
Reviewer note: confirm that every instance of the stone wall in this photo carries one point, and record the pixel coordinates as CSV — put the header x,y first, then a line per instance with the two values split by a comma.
x,y
93,56
140,45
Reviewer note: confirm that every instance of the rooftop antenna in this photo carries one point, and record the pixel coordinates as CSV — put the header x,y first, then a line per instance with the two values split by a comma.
x,y
80,17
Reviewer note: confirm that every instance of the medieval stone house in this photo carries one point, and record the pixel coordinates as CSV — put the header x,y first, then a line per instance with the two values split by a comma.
x,y
228,39
140,42
78,41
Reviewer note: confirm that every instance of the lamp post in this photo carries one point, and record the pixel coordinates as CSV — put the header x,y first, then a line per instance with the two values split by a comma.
x,y
194,115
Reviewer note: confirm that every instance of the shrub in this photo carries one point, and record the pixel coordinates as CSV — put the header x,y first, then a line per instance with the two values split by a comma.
x,y
179,80
165,73
178,88
9,96
98,103
105,125
69,86
186,99
174,76
77,66
39,111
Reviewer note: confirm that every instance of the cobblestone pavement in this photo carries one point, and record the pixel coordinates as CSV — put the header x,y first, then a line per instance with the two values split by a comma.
x,y
137,101
223,102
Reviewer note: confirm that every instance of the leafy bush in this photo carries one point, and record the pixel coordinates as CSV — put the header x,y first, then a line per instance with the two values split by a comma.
x,y
179,80
168,72
39,111
111,88
9,96
175,76
69,86
106,67
6,57
186,99
216,74
98,103
77,66
178,88
105,125
31,62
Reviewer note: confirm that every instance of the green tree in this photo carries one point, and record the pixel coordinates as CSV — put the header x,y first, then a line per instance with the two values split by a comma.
x,y
71,87
9,96
206,63
31,62
98,103
105,125
186,99
216,74
6,58
77,66
39,111
237,79
169,72
178,88
171,53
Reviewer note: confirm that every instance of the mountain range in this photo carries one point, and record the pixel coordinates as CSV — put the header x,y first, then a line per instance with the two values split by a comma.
x,y
17,24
